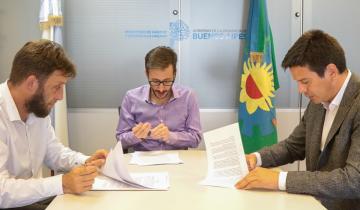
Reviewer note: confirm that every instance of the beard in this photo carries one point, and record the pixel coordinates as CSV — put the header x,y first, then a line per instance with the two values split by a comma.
x,y
161,95
37,104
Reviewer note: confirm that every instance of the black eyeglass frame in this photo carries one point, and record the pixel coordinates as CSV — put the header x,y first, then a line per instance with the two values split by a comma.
x,y
158,83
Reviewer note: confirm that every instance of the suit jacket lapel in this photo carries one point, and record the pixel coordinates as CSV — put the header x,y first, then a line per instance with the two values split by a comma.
x,y
349,96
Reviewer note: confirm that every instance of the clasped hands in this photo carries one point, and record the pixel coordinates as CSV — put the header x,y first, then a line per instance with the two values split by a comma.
x,y
258,177
81,178
144,130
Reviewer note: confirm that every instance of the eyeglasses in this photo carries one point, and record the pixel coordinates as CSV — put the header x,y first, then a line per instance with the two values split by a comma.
x,y
158,82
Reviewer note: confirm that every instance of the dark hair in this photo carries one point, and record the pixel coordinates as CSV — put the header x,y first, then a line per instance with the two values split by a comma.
x,y
40,58
316,49
160,58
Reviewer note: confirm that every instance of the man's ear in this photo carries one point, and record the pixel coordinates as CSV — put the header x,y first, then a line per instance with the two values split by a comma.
x,y
31,83
331,70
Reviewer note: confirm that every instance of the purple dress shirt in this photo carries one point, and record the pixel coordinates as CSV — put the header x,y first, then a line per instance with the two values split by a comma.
x,y
180,114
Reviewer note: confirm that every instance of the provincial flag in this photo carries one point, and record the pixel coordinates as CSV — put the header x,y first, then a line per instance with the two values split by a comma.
x,y
257,115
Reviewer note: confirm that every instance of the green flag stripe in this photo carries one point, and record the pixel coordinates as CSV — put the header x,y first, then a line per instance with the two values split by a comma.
x,y
276,80
261,27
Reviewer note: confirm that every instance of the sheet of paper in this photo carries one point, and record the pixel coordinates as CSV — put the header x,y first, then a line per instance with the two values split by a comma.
x,y
155,158
116,169
103,183
160,180
225,157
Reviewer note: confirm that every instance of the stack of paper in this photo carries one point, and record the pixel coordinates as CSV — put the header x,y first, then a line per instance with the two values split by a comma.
x,y
117,177
225,156
155,158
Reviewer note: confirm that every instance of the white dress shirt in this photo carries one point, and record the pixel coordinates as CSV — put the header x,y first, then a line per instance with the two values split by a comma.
x,y
24,147
331,110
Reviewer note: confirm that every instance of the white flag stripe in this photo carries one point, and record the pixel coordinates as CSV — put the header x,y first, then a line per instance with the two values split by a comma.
x,y
54,33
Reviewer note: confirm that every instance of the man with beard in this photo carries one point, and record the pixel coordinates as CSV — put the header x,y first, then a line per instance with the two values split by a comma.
x,y
328,135
161,115
27,140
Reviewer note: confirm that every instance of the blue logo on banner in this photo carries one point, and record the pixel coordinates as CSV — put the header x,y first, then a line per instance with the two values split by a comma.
x,y
179,30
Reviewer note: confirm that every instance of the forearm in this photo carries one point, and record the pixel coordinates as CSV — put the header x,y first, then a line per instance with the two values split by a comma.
x,y
189,138
127,139
338,183
281,154
61,158
58,157
21,192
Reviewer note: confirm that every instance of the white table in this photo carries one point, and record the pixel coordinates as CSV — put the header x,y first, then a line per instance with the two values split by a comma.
x,y
185,193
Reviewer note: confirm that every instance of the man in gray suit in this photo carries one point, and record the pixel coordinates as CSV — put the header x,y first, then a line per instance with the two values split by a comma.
x,y
328,135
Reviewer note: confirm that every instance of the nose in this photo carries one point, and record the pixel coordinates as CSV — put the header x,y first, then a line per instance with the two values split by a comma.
x,y
301,88
60,93
161,87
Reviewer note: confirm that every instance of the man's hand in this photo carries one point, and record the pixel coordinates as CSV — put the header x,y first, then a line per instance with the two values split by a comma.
x,y
97,159
79,179
260,178
251,161
141,130
160,132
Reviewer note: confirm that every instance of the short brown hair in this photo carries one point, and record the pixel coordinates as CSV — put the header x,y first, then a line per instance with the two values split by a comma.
x,y
40,58
160,58
316,49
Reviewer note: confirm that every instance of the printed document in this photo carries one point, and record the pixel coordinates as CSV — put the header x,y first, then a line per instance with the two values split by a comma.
x,y
155,158
225,157
115,171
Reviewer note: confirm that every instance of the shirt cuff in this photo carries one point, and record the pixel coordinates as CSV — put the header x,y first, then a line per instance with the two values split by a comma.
x,y
54,185
81,160
258,159
133,140
282,180
172,138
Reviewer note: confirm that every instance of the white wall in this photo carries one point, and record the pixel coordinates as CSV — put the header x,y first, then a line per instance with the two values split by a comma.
x,y
91,129
19,23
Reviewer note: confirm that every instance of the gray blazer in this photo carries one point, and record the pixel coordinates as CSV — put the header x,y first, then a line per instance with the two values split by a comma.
x,y
333,175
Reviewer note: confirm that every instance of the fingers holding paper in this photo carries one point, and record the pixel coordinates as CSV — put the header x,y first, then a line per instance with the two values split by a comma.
x,y
260,178
79,179
97,159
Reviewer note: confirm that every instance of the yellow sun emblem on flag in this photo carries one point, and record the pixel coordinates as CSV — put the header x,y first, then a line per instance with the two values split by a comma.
x,y
257,86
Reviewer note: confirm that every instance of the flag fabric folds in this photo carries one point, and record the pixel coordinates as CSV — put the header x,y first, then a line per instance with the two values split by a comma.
x,y
257,116
51,22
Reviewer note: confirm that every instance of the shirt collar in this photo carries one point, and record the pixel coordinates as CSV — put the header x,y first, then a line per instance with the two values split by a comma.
x,y
336,101
175,90
10,105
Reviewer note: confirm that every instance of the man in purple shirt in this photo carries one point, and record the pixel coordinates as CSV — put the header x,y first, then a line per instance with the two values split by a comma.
x,y
161,115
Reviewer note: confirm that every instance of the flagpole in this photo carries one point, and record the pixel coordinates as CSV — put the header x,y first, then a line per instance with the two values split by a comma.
x,y
300,15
